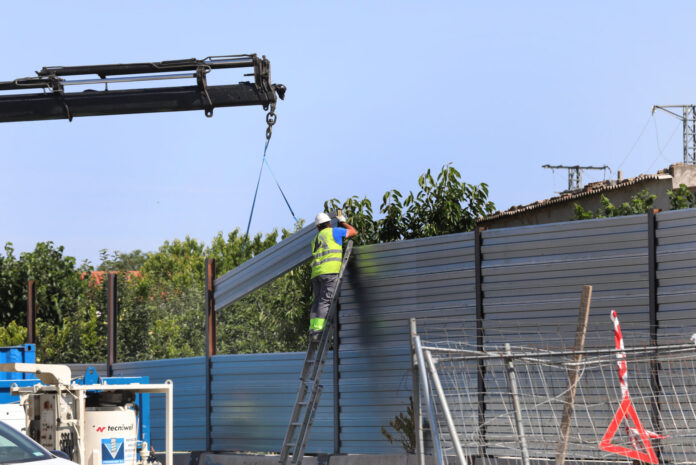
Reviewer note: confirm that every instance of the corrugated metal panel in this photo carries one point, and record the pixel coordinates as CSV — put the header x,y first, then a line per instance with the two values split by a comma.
x,y
533,276
188,377
264,267
252,400
676,273
386,285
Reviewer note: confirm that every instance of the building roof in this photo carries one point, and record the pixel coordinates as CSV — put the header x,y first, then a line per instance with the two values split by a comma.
x,y
590,189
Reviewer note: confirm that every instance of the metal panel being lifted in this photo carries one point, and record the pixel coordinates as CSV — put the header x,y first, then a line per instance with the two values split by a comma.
x,y
264,267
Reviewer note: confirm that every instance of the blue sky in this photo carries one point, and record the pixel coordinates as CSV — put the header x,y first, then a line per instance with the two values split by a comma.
x,y
378,92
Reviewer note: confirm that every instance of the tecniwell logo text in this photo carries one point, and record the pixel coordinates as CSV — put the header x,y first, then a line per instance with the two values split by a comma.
x,y
100,429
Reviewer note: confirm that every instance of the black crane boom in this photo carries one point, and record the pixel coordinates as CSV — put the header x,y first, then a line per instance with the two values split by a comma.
x,y
56,103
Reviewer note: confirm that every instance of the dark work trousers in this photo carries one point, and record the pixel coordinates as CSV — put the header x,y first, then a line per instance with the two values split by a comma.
x,y
323,288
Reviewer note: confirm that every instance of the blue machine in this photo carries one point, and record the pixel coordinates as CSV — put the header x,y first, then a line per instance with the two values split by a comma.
x,y
25,353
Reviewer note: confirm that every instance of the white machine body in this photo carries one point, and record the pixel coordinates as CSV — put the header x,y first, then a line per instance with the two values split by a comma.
x,y
111,436
103,431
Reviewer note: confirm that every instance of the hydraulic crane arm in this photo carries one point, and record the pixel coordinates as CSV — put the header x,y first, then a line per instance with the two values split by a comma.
x,y
54,102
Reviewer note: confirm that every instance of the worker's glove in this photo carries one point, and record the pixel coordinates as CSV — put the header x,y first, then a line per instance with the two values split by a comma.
x,y
341,218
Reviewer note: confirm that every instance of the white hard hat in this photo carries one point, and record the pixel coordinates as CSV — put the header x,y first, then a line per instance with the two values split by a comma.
x,y
321,219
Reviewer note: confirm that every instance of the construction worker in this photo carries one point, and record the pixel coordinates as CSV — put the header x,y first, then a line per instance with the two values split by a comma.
x,y
327,255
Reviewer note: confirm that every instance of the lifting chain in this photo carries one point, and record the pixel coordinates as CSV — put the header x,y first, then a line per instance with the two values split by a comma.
x,y
271,118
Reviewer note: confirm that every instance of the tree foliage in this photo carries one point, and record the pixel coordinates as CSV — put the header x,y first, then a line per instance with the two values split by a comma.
x,y
681,198
640,203
443,205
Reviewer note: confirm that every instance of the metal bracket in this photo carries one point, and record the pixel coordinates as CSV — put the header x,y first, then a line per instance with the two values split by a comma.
x,y
57,86
201,72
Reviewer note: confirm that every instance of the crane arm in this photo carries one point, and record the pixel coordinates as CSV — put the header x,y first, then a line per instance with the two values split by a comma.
x,y
55,102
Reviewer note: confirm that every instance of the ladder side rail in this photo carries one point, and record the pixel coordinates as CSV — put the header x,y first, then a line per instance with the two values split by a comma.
x,y
290,432
310,359
297,409
310,411
300,450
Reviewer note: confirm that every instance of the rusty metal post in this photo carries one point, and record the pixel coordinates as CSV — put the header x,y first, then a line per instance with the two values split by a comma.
x,y
569,406
112,319
31,312
210,331
210,343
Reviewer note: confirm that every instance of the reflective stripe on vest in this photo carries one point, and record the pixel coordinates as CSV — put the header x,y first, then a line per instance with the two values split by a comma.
x,y
327,253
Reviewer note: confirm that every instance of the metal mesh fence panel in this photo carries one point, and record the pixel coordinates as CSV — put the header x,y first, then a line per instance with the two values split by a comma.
x,y
657,424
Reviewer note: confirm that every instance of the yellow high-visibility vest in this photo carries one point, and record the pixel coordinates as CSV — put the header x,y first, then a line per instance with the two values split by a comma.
x,y
327,253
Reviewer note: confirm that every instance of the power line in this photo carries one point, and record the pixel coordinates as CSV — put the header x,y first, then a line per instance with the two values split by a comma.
x,y
688,119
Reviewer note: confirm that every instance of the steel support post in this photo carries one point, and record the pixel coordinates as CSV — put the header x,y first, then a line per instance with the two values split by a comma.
x,y
336,379
512,386
31,312
445,408
112,320
481,368
416,397
429,401
210,343
652,306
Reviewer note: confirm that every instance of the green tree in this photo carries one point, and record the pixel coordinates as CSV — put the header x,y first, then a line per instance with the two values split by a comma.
x,y
58,283
681,198
13,284
640,203
121,261
443,205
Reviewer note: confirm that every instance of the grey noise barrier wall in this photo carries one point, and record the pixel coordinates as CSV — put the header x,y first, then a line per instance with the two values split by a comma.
x,y
532,277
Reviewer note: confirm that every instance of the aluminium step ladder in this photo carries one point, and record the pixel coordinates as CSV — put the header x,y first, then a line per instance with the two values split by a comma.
x,y
310,390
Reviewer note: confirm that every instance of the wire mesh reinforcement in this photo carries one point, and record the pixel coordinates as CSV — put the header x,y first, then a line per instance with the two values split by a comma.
x,y
661,382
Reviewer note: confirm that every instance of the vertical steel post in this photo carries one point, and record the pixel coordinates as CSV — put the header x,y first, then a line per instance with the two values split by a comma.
x,y
210,343
31,312
112,320
415,386
481,368
429,401
512,386
652,306
336,379
445,409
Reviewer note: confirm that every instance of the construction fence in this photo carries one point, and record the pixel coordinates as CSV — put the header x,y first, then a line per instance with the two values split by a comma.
x,y
483,288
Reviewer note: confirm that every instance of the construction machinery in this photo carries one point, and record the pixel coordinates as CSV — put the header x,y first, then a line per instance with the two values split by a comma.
x,y
46,96
93,421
